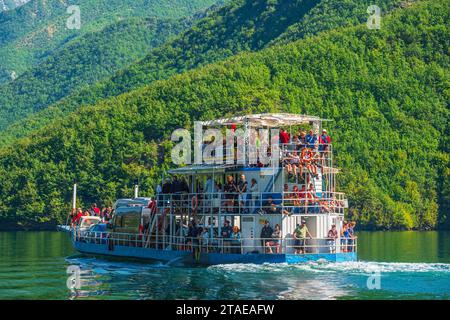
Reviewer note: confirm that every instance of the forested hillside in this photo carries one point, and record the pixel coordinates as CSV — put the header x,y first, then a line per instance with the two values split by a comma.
x,y
33,31
243,25
387,90
83,61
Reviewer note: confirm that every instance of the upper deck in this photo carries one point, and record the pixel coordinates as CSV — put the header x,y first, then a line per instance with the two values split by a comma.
x,y
297,176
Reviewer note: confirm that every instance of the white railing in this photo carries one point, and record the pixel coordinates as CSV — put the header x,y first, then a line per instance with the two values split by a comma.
x,y
286,202
218,244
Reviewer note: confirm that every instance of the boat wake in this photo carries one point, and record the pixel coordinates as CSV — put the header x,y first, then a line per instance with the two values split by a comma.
x,y
357,267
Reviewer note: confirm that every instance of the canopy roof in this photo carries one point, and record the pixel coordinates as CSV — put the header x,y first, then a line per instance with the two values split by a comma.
x,y
265,120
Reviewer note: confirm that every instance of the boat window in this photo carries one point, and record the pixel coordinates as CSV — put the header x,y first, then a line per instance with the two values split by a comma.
x,y
130,220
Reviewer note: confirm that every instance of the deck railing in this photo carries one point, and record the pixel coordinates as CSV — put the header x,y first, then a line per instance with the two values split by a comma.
x,y
322,154
218,244
286,202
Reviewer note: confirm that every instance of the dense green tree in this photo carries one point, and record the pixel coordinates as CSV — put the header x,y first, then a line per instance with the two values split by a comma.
x,y
242,25
386,89
32,32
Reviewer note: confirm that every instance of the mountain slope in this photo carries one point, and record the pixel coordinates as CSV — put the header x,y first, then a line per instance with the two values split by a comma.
x,y
33,31
240,26
83,61
387,91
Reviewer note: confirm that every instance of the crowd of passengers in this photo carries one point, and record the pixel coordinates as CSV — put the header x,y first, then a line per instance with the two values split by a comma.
x,y
76,214
299,152
301,158
245,197
206,239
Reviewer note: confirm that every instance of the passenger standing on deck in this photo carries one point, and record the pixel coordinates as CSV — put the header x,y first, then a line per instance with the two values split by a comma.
x,y
158,193
242,189
226,230
324,142
254,190
311,139
236,240
230,193
351,236
95,211
344,236
284,140
332,236
300,235
192,234
284,137
209,190
302,139
77,217
266,233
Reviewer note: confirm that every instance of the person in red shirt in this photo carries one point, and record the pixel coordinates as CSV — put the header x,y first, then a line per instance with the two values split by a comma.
x,y
95,209
324,142
77,217
284,137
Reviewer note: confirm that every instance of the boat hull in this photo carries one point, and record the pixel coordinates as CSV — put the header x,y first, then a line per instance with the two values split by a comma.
x,y
208,258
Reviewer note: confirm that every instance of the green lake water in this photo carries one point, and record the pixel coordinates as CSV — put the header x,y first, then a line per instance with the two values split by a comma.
x,y
405,265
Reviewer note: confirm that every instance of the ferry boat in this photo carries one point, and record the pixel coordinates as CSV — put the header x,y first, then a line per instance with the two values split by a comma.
x,y
201,216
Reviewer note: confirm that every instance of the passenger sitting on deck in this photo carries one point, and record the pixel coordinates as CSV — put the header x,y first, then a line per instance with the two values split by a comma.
x,y
236,234
311,200
291,163
266,233
300,235
270,207
268,204
296,199
242,188
332,236
308,161
325,206
275,241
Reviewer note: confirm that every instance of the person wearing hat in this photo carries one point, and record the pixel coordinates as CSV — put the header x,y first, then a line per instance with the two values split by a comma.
x,y
301,233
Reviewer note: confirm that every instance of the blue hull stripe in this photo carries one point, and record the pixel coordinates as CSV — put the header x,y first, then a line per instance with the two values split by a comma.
x,y
209,258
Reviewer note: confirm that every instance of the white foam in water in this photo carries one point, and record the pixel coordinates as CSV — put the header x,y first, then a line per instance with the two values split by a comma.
x,y
347,267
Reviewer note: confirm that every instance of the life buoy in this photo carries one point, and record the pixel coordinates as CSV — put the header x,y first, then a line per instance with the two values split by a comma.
x,y
307,155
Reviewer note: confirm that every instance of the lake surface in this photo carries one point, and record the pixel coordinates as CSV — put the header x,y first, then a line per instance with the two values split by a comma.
x,y
396,265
